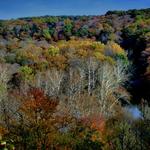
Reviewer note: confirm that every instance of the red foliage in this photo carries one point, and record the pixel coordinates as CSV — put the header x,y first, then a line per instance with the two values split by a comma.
x,y
95,122
37,100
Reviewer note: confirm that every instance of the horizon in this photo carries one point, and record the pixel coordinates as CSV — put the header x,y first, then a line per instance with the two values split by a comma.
x,y
35,8
67,15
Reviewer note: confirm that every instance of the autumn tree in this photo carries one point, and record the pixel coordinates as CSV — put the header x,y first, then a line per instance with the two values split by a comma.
x,y
32,125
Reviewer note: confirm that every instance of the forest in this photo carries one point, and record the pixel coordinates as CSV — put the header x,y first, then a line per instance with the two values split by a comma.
x,y
70,82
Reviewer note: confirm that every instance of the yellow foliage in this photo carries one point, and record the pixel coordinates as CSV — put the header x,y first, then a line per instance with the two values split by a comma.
x,y
31,52
67,21
99,56
53,50
110,60
82,47
82,53
115,48
58,53
98,46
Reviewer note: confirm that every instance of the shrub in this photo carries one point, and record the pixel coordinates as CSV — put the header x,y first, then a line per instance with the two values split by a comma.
x,y
26,73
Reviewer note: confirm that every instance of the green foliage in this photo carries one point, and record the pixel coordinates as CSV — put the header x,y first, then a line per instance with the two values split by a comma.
x,y
123,58
125,138
51,19
51,31
2,89
26,73
83,31
68,27
46,34
10,58
26,27
80,138
53,51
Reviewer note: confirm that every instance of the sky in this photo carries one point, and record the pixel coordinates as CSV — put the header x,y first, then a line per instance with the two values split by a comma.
x,y
10,9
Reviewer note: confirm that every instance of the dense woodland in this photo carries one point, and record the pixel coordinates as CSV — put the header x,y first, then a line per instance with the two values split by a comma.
x,y
66,82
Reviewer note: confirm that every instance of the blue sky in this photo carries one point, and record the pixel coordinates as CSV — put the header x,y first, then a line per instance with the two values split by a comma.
x,y
23,8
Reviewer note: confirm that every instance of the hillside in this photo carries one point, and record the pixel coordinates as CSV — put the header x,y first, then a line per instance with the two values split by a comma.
x,y
130,29
66,81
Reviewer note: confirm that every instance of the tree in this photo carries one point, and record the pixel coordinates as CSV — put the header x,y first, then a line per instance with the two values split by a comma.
x,y
83,31
46,34
50,81
121,136
53,51
27,73
4,78
68,27
32,125
110,78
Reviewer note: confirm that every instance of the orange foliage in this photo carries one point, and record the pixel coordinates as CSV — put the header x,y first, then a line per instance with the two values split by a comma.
x,y
38,119
2,132
36,102
96,122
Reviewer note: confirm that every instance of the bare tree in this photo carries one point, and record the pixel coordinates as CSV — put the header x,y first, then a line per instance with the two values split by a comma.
x,y
4,77
73,87
120,71
110,89
92,65
104,83
50,81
